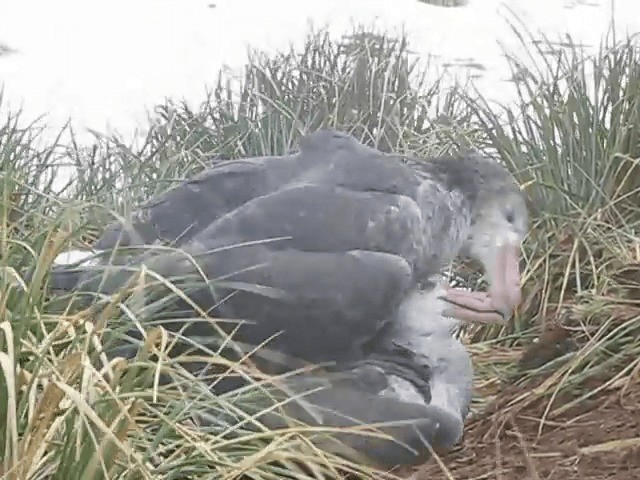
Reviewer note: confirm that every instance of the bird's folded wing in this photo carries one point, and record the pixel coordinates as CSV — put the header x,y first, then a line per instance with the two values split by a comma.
x,y
342,262
325,158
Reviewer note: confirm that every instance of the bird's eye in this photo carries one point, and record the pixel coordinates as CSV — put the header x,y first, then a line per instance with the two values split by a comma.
x,y
510,216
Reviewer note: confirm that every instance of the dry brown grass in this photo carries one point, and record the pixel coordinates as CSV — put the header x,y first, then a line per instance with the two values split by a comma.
x,y
514,438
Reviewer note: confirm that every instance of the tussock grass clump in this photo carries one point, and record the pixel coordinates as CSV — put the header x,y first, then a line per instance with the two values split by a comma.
x,y
368,84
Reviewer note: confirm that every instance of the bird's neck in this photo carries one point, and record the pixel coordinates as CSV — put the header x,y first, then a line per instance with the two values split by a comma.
x,y
421,313
447,215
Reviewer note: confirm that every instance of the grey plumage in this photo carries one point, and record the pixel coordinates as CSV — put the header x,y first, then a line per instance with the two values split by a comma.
x,y
355,235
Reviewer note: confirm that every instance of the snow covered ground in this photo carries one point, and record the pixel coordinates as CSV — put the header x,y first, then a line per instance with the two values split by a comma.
x,y
104,64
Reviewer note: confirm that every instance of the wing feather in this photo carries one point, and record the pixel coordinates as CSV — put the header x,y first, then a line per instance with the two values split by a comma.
x,y
332,303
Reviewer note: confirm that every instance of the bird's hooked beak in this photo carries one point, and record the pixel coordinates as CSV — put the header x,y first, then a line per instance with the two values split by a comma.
x,y
504,295
504,291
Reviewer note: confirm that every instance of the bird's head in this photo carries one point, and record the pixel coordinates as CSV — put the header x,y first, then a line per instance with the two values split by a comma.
x,y
498,225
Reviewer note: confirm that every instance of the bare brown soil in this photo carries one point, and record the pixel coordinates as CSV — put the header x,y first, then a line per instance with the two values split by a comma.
x,y
597,441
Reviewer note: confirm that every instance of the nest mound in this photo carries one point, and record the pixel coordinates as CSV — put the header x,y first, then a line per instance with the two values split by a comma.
x,y
516,438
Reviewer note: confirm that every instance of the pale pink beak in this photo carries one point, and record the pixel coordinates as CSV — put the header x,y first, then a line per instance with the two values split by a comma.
x,y
504,296
505,290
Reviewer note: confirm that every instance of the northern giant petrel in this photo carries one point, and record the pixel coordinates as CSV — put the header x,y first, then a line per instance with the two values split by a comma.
x,y
342,246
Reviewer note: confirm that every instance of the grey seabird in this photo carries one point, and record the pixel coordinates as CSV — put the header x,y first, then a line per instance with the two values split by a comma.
x,y
343,246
